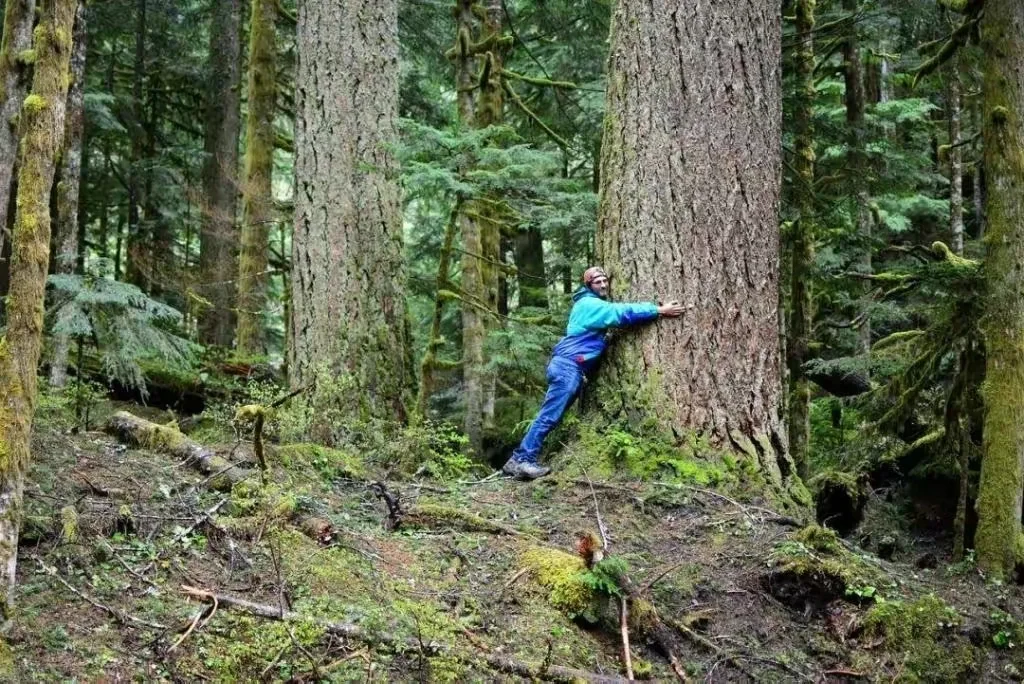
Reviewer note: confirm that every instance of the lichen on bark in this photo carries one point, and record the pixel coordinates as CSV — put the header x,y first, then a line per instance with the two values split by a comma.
x,y
1002,468
257,197
43,124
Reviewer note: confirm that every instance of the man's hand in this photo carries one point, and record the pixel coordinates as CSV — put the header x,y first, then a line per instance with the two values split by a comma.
x,y
671,310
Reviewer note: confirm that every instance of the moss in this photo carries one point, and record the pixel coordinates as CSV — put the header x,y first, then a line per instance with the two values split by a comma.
x,y
330,463
562,574
69,524
434,515
819,538
923,636
35,103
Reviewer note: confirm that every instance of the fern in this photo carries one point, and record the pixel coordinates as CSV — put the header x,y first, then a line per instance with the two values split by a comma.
x,y
124,325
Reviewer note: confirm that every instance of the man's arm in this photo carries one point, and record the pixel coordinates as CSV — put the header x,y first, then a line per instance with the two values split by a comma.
x,y
599,314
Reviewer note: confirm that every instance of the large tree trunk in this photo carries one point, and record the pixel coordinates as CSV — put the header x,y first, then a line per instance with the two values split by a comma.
x,y
689,210
858,163
70,179
348,298
257,194
801,245
43,123
218,237
1002,468
17,38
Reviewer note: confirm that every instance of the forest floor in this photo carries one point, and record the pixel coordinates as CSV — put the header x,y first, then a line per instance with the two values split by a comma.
x,y
480,581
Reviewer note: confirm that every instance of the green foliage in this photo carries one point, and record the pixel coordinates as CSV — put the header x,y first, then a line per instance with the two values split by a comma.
x,y
605,577
124,326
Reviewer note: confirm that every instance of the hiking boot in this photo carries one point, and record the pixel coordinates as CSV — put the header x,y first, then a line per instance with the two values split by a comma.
x,y
524,470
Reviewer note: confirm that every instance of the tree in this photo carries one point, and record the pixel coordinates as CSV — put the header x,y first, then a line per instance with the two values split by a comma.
x,y
801,247
257,197
19,16
858,162
689,210
218,235
998,537
348,299
43,123
70,181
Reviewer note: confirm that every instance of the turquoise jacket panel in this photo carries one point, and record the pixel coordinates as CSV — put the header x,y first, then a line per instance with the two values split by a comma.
x,y
590,318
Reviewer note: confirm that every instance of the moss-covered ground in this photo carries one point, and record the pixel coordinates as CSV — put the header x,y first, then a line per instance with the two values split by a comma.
x,y
478,568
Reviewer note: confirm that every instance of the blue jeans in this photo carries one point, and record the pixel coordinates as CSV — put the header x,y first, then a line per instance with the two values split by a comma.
x,y
565,377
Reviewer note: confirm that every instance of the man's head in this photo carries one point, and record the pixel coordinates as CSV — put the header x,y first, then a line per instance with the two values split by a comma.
x,y
596,280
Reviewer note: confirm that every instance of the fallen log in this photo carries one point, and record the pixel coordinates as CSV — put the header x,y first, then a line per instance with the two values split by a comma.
x,y
544,672
137,431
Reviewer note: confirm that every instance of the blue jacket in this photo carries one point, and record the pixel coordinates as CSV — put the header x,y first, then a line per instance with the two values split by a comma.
x,y
591,316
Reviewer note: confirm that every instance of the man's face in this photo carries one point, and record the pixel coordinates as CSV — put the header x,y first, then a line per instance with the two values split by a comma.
x,y
599,286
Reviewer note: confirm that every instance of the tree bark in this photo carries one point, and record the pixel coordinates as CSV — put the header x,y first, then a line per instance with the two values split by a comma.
x,y
257,192
689,211
802,236
42,120
956,166
348,299
19,16
529,256
135,239
998,537
858,166
218,236
70,175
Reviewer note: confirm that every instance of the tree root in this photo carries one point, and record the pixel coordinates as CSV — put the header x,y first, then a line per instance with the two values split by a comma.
x,y
550,673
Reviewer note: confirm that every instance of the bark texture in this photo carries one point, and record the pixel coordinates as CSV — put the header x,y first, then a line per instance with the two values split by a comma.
x,y
14,72
801,245
348,299
43,123
257,194
218,237
997,539
135,250
70,182
956,164
689,210
529,256
858,162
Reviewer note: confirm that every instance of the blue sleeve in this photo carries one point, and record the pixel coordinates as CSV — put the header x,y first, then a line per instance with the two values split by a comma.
x,y
592,314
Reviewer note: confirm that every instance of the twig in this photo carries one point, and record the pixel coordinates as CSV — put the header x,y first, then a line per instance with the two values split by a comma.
x,y
305,652
624,623
124,564
845,673
660,576
191,628
118,615
514,578
206,516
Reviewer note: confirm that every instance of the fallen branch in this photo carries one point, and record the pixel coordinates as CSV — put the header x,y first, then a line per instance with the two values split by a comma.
x,y
550,673
136,431
120,616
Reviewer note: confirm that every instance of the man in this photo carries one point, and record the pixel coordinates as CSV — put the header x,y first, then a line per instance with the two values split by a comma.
x,y
575,355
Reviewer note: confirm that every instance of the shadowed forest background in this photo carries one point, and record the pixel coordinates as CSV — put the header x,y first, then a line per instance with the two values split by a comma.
x,y
279,280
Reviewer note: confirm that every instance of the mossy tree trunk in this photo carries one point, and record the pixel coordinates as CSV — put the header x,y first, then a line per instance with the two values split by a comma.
x,y
857,165
19,16
69,183
348,282
956,165
218,236
802,235
689,211
43,124
136,239
257,191
1002,468
530,271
